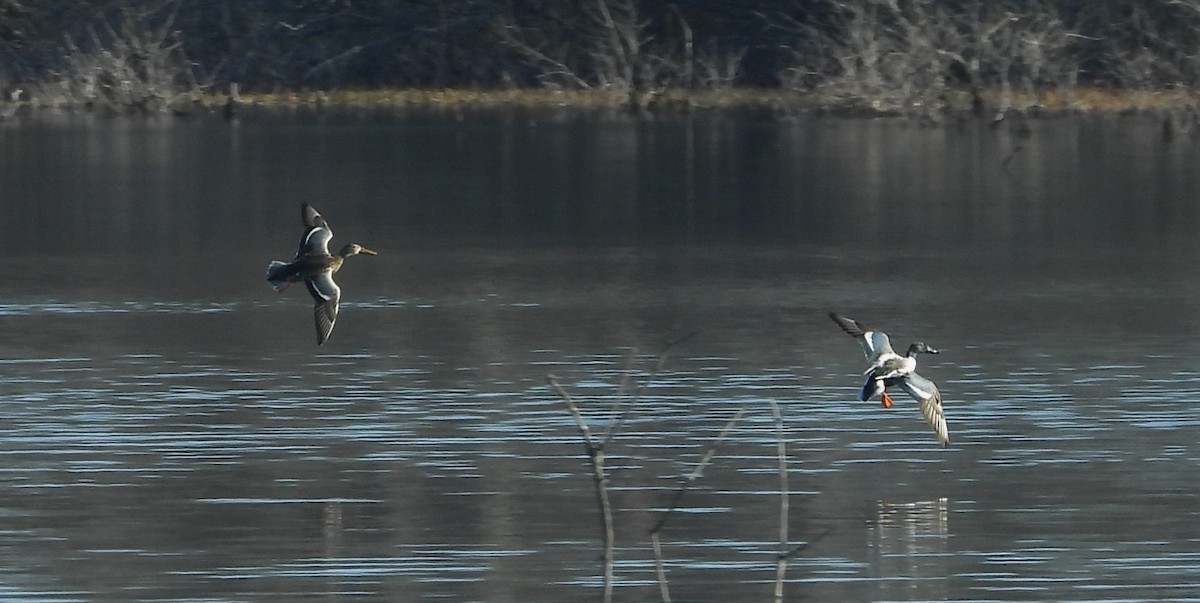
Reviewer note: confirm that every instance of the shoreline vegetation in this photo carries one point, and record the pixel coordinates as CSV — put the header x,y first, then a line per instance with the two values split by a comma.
x,y
925,59
1048,102
1054,102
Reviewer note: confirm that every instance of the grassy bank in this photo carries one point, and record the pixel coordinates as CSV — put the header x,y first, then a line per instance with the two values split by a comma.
x,y
991,104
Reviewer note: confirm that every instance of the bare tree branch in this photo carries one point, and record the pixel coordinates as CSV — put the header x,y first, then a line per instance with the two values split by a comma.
x,y
781,449
595,455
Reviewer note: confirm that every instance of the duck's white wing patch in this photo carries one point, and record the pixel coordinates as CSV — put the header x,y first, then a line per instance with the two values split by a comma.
x,y
326,297
930,400
315,241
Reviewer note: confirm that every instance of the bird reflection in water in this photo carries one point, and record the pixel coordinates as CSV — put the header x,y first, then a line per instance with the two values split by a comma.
x,y
909,544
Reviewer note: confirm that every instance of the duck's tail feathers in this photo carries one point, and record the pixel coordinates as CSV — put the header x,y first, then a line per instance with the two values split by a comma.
x,y
871,387
275,275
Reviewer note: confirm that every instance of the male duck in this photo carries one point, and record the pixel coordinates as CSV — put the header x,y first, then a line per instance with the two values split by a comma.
x,y
887,368
315,266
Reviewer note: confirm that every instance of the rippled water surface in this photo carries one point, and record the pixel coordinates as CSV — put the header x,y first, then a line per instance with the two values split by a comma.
x,y
173,433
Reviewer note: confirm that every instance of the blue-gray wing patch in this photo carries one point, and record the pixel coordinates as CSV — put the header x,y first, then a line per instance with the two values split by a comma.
x,y
876,343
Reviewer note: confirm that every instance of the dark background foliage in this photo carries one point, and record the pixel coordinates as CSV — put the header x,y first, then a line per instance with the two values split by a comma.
x,y
851,49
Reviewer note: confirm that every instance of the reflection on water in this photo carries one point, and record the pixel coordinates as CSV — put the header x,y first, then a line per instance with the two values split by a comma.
x,y
171,433
909,544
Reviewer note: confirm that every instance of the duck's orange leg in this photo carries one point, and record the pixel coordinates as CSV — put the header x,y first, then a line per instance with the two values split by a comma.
x,y
887,400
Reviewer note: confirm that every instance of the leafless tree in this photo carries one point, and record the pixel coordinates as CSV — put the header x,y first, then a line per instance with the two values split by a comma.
x,y
927,57
616,45
125,65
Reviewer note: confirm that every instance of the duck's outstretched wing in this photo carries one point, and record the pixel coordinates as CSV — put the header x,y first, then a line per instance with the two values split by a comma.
x,y
311,217
930,400
317,233
326,296
874,343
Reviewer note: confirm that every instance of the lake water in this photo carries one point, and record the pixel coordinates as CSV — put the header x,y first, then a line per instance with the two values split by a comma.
x,y
173,433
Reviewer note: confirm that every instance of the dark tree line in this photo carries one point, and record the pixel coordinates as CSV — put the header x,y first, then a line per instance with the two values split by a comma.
x,y
883,54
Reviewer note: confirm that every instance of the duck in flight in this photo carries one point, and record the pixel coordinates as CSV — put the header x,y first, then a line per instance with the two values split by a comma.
x,y
314,266
887,368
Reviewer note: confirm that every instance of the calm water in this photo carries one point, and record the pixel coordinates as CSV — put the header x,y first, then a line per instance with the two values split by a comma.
x,y
172,433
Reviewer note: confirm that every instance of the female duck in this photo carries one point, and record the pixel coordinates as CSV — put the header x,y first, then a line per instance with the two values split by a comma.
x,y
315,266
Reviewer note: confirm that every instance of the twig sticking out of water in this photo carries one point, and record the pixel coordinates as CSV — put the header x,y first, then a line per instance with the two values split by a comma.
x,y
792,552
622,409
689,479
623,405
782,558
595,455
595,450
785,553
1011,154
664,592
